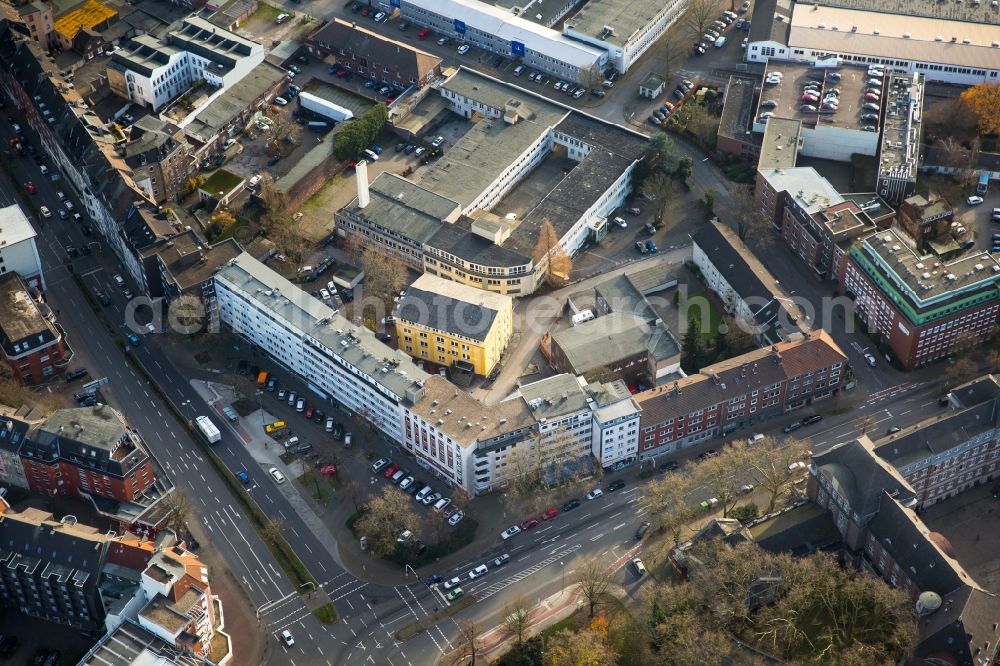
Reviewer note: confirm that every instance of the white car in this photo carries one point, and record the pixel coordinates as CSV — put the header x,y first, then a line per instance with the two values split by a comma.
x,y
281,101
286,638
454,582
478,571
324,294
595,493
68,204
61,195
254,180
796,466
329,424
119,280
870,360
44,169
456,517
746,488
276,475
437,142
404,537
974,200
406,483
44,210
511,531
463,49
379,464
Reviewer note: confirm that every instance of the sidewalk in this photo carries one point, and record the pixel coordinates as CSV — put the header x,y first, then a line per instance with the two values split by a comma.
x,y
551,610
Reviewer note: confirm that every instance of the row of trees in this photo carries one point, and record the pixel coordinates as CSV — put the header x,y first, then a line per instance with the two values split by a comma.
x,y
356,135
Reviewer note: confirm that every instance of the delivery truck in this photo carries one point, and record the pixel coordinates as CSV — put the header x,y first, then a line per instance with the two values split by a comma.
x,y
208,430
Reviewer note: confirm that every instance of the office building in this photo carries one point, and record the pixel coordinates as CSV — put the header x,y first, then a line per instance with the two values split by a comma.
x,y
899,149
500,31
374,56
18,251
739,392
451,324
920,304
342,362
943,42
33,346
154,71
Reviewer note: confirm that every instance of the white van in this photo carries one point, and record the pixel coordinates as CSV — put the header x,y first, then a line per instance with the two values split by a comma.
x,y
478,571
720,42
441,504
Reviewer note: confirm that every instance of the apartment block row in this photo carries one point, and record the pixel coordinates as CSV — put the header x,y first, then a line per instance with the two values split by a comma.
x,y
125,588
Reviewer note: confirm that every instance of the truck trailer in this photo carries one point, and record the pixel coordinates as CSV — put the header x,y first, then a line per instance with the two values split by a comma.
x,y
323,107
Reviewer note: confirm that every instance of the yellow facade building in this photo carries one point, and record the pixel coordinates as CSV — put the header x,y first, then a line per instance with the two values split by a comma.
x,y
448,323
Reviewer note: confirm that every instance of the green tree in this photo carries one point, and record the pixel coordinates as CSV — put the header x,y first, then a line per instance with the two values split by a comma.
x,y
745,513
356,135
692,348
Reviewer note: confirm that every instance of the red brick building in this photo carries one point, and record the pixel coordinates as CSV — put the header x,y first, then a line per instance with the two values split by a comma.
x,y
821,239
739,392
373,56
87,452
919,304
32,345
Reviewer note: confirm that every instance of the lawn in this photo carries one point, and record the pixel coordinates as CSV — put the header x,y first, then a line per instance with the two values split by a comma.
x,y
696,304
266,13
221,181
320,487
326,614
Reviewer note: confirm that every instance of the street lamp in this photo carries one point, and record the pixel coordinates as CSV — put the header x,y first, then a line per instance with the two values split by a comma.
x,y
563,565
312,587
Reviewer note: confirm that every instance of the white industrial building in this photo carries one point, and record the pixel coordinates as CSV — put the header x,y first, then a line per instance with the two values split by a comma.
x,y
500,31
623,28
154,71
341,362
944,42
18,252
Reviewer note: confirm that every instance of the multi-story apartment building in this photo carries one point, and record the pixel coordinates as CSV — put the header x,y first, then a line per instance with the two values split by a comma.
x,y
160,158
744,285
501,31
514,132
80,28
448,323
50,568
921,305
374,56
341,361
13,432
615,429
154,71
822,239
18,251
36,15
32,345
947,454
561,407
738,392
88,452
872,506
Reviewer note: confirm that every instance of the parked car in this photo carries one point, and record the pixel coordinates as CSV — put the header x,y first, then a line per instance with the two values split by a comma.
x,y
570,505
595,493
974,200
380,463
528,524
502,560
616,485
452,583
511,531
550,513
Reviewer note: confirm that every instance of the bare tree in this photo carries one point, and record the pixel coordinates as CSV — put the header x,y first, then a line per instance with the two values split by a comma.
x,y
959,372
666,500
469,641
549,252
178,508
750,224
724,474
698,17
661,189
385,274
673,52
583,648
866,423
769,462
593,578
384,516
517,617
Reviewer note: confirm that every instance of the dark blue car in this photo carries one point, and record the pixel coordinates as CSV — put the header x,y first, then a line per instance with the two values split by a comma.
x,y
436,578
244,477
650,245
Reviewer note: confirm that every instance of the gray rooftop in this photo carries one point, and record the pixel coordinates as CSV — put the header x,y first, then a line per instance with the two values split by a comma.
x,y
233,101
451,307
554,397
355,345
771,21
780,147
402,206
594,343
927,439
624,17
811,191
131,645
899,151
964,11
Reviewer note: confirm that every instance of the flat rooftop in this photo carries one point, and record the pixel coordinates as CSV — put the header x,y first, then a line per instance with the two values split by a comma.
x,y
900,148
20,316
780,148
788,94
99,426
402,206
14,226
625,18
925,277
880,34
952,11
554,397
811,191
738,110
536,11
356,345
465,419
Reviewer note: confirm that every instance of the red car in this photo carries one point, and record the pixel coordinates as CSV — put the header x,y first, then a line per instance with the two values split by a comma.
x,y
550,513
343,74
529,523
390,470
329,470
309,412
366,11
30,186
423,33
871,97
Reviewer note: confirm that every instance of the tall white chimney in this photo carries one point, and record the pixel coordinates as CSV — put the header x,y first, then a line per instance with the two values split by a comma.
x,y
361,173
